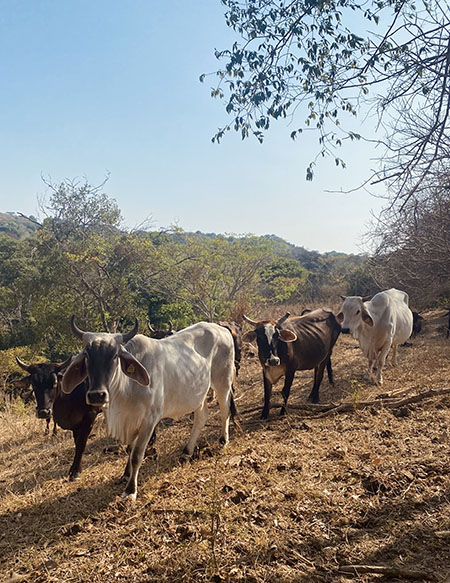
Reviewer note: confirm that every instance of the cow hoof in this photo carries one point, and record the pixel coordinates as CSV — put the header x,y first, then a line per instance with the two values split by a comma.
x,y
185,456
129,495
223,441
74,476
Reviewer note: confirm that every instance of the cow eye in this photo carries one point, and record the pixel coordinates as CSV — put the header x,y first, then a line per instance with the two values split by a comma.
x,y
357,312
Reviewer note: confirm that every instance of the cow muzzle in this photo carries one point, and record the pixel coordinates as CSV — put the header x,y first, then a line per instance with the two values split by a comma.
x,y
345,330
97,398
273,361
43,413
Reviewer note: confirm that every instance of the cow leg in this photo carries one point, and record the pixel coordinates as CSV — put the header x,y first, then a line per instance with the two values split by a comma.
x,y
318,376
47,426
330,372
267,395
287,389
127,471
394,355
54,428
370,369
135,460
225,399
200,418
381,359
80,436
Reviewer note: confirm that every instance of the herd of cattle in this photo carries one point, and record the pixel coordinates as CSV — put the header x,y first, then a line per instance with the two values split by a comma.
x,y
138,380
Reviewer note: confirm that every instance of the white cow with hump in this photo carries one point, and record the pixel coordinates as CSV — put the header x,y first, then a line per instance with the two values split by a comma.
x,y
383,322
138,381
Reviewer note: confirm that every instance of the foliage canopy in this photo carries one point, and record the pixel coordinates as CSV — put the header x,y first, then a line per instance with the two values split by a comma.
x,y
338,57
79,261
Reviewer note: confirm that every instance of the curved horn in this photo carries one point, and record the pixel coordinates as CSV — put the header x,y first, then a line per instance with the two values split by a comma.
x,y
149,326
343,298
283,318
77,331
129,335
249,321
22,364
65,364
170,327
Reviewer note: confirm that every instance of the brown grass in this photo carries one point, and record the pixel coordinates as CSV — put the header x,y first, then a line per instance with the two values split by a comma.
x,y
292,499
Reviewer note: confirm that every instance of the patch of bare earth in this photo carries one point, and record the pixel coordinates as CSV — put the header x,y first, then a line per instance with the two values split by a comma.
x,y
296,498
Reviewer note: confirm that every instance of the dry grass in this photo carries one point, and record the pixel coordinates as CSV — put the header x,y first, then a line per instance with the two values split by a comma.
x,y
291,499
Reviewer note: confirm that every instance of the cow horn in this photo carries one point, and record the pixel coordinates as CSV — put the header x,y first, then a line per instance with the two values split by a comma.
x,y
170,326
22,364
366,298
77,331
65,364
343,298
283,318
249,321
129,335
149,326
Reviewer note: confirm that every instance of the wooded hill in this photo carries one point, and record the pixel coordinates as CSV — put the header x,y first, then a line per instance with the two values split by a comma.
x,y
16,226
80,261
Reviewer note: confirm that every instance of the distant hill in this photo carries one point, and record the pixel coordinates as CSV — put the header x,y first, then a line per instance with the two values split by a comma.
x,y
19,227
16,226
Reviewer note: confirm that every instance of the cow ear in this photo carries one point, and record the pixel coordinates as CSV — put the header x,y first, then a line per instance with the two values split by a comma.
x,y
366,317
340,317
75,373
287,336
343,298
249,336
133,368
22,383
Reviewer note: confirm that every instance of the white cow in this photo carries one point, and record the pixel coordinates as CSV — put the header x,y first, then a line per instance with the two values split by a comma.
x,y
379,324
138,381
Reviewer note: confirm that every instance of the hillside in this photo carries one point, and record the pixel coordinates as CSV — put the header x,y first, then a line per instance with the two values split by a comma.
x,y
293,499
16,226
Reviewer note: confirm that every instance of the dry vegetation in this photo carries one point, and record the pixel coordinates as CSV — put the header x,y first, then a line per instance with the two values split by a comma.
x,y
292,499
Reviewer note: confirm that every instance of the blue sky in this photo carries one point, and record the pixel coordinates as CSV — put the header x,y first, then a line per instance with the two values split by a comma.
x,y
91,88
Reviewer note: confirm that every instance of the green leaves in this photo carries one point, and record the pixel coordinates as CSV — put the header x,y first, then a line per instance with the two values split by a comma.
x,y
310,57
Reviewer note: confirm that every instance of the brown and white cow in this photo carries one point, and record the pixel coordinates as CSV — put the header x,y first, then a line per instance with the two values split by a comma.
x,y
294,343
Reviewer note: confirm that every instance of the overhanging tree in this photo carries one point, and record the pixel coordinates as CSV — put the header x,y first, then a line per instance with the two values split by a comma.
x,y
412,247
338,57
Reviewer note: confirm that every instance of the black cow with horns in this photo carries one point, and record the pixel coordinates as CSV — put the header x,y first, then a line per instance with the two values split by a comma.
x,y
69,411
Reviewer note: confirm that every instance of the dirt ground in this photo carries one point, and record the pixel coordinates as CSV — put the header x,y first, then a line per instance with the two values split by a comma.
x,y
293,499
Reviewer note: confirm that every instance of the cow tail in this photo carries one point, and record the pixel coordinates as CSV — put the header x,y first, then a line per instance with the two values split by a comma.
x,y
233,411
232,405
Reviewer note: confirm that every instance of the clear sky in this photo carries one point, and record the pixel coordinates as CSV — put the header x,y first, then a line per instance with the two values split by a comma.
x,y
96,87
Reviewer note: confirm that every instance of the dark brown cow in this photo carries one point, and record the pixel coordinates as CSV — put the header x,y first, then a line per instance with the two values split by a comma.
x,y
236,333
329,367
161,332
417,323
294,343
69,411
448,323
